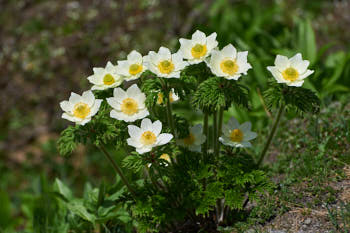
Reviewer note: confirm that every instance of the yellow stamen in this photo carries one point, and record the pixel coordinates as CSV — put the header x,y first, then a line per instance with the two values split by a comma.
x,y
129,106
166,66
236,135
198,51
229,66
81,110
290,74
108,79
165,157
148,138
135,69
189,140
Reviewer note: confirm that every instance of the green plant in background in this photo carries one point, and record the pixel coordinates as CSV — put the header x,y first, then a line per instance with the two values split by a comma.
x,y
187,179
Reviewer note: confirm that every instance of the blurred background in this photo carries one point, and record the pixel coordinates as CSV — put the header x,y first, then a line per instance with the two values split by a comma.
x,y
48,48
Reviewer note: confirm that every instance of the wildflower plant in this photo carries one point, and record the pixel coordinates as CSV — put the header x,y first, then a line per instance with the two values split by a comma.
x,y
199,175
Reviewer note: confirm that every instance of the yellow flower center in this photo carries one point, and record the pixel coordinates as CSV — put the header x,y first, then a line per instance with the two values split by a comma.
x,y
81,110
160,97
166,67
198,51
108,79
229,66
236,135
148,138
129,106
165,157
189,140
290,74
135,69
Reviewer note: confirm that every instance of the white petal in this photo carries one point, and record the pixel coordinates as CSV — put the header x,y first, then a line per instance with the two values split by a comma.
x,y
197,129
119,116
113,103
133,142
88,98
123,68
198,37
276,74
68,117
233,123
211,41
134,131
306,74
296,83
119,94
146,125
135,57
164,138
74,98
157,127
133,91
229,51
164,53
249,136
246,126
143,150
94,79
282,62
295,59
185,48
66,106
95,107
245,144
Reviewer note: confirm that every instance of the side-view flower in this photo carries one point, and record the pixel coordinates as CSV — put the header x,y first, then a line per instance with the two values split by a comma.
x,y
237,135
128,105
80,109
194,140
104,78
147,136
290,71
133,67
164,64
172,97
229,63
198,48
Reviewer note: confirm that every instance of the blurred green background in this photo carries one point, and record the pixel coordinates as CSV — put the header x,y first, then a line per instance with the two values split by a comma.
x,y
48,48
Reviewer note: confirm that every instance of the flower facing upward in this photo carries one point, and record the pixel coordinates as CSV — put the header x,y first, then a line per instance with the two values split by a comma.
x,y
104,78
164,64
229,63
172,97
80,109
237,135
148,136
132,68
194,140
291,71
199,47
128,105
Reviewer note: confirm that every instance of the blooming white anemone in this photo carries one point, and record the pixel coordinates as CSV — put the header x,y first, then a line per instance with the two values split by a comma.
x,y
194,140
172,97
80,109
237,135
164,64
148,136
229,63
132,68
291,71
104,78
128,105
199,47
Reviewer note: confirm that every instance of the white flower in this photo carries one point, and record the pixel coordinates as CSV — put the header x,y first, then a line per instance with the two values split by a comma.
x,y
128,105
194,140
164,64
229,63
148,136
237,135
80,109
133,67
172,97
104,78
291,71
199,47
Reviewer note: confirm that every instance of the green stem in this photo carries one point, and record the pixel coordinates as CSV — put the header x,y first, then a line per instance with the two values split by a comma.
x,y
215,135
118,170
168,107
205,132
272,133
221,117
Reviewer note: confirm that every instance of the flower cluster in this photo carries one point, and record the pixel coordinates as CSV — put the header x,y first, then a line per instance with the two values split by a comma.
x,y
129,105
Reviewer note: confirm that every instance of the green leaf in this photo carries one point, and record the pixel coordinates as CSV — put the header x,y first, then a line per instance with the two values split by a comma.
x,y
63,189
77,207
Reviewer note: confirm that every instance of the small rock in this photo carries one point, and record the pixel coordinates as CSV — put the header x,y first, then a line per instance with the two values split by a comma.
x,y
307,221
276,231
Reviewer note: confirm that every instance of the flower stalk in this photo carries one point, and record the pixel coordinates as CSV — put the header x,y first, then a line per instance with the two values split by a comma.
x,y
272,133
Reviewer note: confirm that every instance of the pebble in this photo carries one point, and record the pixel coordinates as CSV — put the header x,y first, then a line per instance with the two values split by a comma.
x,y
307,221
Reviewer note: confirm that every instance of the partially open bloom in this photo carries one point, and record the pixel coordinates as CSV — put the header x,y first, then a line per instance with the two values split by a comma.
x,y
148,136
291,71
229,63
80,109
104,78
128,105
172,97
199,47
164,64
133,67
194,140
237,135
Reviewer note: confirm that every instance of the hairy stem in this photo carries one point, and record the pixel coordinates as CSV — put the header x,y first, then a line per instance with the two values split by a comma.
x,y
221,116
168,107
272,133
205,132
118,170
215,134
